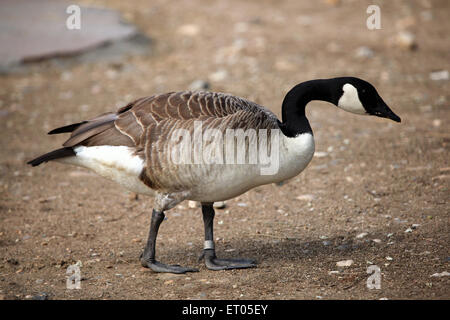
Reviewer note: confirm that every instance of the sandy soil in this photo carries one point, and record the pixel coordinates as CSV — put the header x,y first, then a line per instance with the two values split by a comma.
x,y
373,176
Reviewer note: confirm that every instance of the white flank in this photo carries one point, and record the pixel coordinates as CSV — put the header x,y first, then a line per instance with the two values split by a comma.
x,y
350,100
117,163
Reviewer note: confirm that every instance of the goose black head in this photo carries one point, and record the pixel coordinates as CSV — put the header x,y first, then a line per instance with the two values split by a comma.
x,y
359,96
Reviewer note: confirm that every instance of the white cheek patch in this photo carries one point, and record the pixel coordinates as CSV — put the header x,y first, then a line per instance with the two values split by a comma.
x,y
350,100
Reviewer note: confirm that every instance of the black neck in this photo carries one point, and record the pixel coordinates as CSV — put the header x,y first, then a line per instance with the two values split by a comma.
x,y
294,104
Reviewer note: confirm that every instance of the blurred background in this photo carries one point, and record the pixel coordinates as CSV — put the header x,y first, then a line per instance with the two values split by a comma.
x,y
370,177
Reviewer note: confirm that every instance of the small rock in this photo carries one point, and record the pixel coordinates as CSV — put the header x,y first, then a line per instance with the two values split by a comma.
x,y
333,272
344,263
44,200
376,240
406,40
305,197
361,235
437,122
426,15
40,296
133,196
442,274
426,108
193,204
242,204
439,75
389,258
364,52
320,154
199,85
189,30
409,230
219,205
219,75
326,243
343,247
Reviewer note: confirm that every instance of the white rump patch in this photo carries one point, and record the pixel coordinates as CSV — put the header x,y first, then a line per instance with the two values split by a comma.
x,y
350,100
117,163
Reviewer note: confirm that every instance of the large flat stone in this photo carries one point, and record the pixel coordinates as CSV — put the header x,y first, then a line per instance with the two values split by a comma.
x,y
32,30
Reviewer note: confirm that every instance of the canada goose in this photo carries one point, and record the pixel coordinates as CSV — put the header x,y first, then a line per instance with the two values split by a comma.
x,y
132,147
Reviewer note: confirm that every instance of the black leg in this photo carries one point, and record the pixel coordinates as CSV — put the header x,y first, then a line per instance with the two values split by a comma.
x,y
209,252
148,257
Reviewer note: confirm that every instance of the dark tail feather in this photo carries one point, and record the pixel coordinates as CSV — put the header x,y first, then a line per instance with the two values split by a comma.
x,y
69,128
55,154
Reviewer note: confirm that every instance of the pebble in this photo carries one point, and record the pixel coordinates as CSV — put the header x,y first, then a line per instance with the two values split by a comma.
x,y
406,40
389,258
376,240
40,296
242,204
219,75
442,274
219,204
343,247
439,75
409,230
344,263
333,272
199,85
305,197
320,154
193,204
437,122
326,243
189,30
364,52
361,235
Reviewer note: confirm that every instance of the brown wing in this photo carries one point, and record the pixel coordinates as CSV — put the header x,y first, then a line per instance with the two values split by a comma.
x,y
147,125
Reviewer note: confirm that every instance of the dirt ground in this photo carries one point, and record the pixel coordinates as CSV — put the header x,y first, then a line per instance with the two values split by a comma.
x,y
376,192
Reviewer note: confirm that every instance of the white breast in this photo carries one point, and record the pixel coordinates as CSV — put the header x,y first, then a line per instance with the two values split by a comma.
x,y
296,153
228,181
